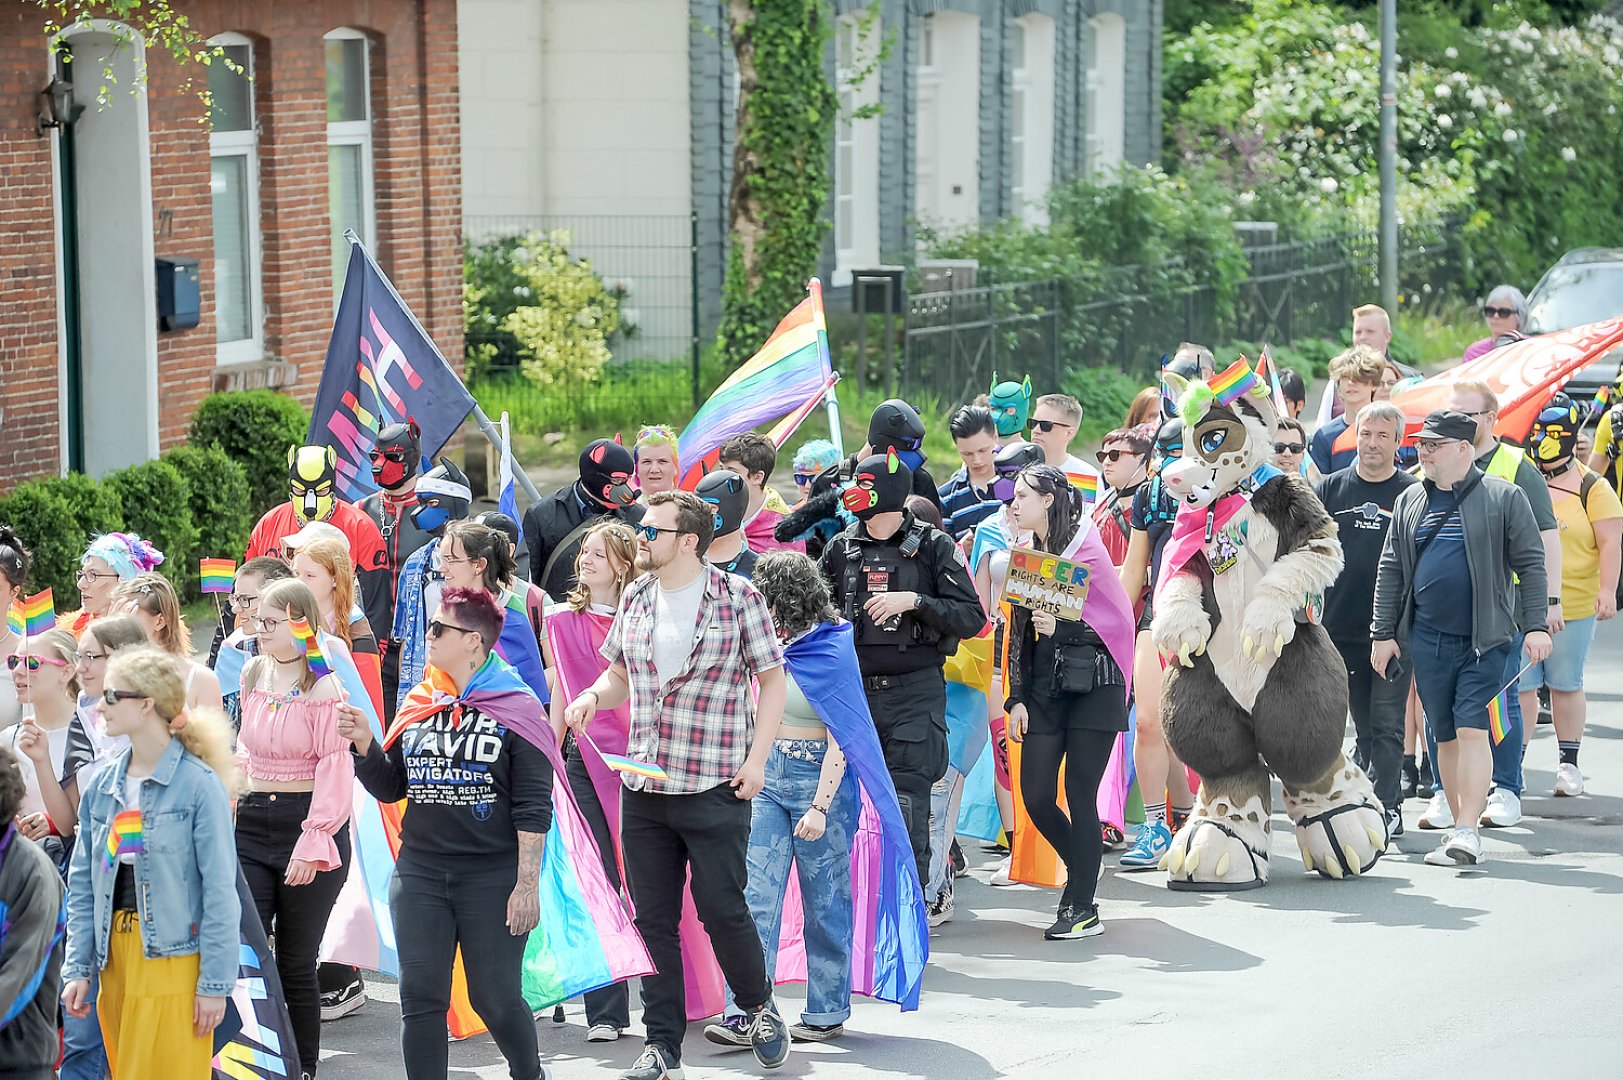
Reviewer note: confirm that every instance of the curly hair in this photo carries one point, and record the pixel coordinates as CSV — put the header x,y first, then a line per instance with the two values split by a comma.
x,y
794,591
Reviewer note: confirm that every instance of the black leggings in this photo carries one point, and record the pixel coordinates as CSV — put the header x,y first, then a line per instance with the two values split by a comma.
x,y
1086,755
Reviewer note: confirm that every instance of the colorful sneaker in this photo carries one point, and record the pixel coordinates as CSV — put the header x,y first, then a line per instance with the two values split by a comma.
x,y
1153,840
732,1031
769,1037
1075,922
1569,781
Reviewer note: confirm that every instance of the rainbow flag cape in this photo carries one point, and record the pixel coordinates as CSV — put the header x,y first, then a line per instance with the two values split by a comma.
x,y
312,647
791,369
39,613
255,1040
217,574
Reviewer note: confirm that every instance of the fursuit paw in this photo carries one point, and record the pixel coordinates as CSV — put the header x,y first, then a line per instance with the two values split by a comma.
x,y
1181,630
1265,629
1222,848
1342,833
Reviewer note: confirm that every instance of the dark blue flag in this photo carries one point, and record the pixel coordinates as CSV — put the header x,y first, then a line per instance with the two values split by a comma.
x,y
381,368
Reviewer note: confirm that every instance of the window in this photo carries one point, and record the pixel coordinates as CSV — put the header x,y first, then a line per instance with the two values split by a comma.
x,y
856,148
1031,133
234,190
947,108
349,145
1107,95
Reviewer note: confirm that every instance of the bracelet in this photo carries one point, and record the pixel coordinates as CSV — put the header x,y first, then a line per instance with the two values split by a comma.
x,y
594,693
819,809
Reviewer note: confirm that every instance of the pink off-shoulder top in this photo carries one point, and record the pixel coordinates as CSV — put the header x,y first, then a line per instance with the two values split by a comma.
x,y
297,739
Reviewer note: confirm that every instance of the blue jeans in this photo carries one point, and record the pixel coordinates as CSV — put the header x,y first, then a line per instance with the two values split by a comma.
x,y
1507,755
85,1058
945,797
823,867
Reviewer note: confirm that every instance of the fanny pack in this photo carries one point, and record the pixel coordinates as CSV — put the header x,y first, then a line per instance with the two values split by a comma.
x,y
1081,669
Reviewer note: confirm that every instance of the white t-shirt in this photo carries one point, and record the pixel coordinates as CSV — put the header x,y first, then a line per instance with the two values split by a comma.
x,y
676,618
1075,466
57,741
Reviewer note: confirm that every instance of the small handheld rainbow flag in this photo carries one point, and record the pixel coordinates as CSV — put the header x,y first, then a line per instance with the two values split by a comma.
x,y
123,838
39,613
312,648
1498,724
1087,484
633,766
218,574
14,618
1233,382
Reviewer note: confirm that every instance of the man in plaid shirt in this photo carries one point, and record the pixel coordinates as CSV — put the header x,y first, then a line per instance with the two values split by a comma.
x,y
685,646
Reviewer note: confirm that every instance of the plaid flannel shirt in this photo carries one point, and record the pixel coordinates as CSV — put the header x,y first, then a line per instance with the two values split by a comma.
x,y
698,726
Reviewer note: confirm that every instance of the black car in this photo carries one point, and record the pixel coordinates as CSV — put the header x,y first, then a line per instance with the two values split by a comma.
x,y
1584,286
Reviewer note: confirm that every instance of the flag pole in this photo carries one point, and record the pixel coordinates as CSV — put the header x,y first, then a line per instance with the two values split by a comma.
x,y
478,414
830,400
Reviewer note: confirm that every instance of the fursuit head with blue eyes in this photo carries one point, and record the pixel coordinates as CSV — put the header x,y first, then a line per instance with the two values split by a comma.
x,y
1254,686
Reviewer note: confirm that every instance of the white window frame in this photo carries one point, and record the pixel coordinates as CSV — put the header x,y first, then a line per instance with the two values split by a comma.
x,y
1106,94
1032,82
1020,126
245,145
358,133
856,194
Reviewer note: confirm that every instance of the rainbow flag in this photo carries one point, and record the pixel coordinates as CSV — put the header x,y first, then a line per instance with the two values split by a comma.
x,y
312,648
39,613
620,763
1235,380
14,618
217,574
791,368
124,838
1087,484
1498,715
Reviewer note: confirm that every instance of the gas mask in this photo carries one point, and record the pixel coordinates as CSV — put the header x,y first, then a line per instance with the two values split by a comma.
x,y
881,485
1008,463
1554,436
1010,402
443,496
397,455
312,473
605,474
724,490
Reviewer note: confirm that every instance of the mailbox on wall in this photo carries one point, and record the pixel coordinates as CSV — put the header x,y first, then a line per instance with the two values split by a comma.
x,y
180,296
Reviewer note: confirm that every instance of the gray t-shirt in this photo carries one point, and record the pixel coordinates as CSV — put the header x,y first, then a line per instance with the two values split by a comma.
x,y
676,618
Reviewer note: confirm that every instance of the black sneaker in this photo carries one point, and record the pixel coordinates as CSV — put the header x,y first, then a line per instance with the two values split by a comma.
x,y
804,1032
1075,922
1394,823
1411,781
993,847
732,1031
769,1036
652,1066
960,864
339,1003
1428,783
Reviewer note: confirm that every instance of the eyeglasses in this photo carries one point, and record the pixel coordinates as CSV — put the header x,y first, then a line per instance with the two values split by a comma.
x,y
240,603
1115,455
113,697
1431,446
88,658
1479,412
1046,426
265,626
1499,312
91,575
651,533
447,559
32,662
436,628
1289,447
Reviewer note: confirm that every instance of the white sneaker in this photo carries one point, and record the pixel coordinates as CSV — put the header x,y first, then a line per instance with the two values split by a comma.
x,y
1464,847
602,1033
1000,876
1437,815
1568,780
1439,855
1502,811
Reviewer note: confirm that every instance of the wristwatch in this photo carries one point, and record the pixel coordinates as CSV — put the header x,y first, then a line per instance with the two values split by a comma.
x,y
1554,600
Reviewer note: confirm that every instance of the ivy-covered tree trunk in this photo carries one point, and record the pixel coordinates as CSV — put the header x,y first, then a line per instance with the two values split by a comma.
x,y
775,211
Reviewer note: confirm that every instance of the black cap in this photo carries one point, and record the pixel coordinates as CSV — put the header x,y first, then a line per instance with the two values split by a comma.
x,y
1448,424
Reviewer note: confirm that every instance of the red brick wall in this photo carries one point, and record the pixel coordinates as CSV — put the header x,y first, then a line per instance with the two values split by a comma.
x,y
417,197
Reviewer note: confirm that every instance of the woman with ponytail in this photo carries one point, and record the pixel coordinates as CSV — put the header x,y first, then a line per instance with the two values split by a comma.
x,y
107,562
151,902
1067,691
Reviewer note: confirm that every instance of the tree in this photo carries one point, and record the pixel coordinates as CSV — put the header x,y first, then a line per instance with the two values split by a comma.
x,y
158,23
775,209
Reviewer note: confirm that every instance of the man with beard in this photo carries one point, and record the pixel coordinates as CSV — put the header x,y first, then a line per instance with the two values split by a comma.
x,y
555,527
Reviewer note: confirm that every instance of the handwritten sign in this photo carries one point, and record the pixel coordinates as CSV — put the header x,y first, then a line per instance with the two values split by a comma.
x,y
1039,581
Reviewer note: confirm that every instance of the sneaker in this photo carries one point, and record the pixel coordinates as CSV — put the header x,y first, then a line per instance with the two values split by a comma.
x,y
1439,855
1437,815
1394,823
1568,780
1504,809
1464,847
957,860
339,1003
1411,781
804,1032
1153,840
995,847
732,1031
1000,877
941,910
603,1033
1429,783
652,1066
1075,922
1110,836
769,1037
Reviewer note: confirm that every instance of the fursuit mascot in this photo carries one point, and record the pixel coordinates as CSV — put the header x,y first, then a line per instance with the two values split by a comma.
x,y
1254,685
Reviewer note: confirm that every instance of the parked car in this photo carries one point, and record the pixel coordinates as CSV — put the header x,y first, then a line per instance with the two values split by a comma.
x,y
1584,286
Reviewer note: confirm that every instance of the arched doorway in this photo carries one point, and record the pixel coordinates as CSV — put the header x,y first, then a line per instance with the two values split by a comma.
x,y
109,342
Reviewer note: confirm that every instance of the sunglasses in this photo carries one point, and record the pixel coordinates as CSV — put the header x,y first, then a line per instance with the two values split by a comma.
x,y
1499,312
113,697
802,479
1115,455
1046,426
31,662
1289,447
651,533
436,628
396,456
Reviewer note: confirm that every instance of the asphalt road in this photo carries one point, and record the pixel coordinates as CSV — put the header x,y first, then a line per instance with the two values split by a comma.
x,y
1410,971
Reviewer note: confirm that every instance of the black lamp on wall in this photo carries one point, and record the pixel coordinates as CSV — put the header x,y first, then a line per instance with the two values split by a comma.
x,y
56,105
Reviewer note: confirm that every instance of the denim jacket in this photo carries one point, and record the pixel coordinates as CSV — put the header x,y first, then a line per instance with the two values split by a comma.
x,y
185,874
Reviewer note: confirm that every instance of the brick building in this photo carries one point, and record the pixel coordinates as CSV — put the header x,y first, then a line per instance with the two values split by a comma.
x,y
349,120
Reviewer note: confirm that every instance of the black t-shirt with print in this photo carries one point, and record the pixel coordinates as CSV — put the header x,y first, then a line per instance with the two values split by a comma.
x,y
1362,512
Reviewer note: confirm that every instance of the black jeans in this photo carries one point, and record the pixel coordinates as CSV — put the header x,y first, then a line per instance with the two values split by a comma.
x,y
609,1004
1377,706
438,905
269,823
665,837
1053,737
910,713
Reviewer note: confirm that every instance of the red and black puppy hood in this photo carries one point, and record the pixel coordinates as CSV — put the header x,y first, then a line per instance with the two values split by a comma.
x,y
605,473
397,454
881,485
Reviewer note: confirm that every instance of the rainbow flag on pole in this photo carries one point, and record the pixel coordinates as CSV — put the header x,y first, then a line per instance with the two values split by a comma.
x,y
218,574
792,368
312,648
1498,715
1235,380
14,618
39,613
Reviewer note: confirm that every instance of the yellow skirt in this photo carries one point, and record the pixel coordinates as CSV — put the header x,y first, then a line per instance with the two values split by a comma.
x,y
146,1007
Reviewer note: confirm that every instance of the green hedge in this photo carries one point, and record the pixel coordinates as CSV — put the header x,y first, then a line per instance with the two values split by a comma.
x,y
219,497
158,507
255,429
56,517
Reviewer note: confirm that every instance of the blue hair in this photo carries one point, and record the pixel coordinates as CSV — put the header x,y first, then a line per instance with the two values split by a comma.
x,y
817,454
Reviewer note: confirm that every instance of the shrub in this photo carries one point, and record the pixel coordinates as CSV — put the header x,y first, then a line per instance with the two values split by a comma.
x,y
219,503
56,517
158,505
1106,393
255,429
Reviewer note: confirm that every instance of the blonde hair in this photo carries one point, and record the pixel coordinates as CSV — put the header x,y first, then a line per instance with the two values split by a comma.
x,y
621,544
1361,364
333,557
62,645
204,733
115,632
1373,309
294,597
1490,400
153,594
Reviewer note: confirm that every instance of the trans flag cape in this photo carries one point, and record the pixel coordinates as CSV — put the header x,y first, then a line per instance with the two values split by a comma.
x,y
969,736
255,1040
1110,613
585,939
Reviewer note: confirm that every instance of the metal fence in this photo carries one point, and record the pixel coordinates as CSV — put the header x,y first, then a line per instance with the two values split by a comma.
x,y
957,340
648,258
